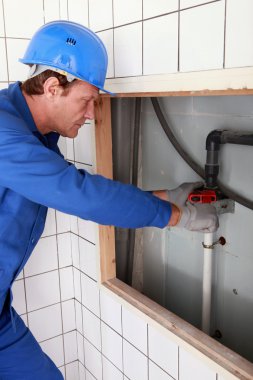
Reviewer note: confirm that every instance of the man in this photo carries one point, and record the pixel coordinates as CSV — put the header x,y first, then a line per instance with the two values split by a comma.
x,y
68,66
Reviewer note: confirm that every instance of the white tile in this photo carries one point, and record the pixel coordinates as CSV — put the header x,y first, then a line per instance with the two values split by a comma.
x,y
80,347
110,311
239,25
135,363
88,230
54,349
156,373
84,144
68,315
202,37
72,371
70,149
110,372
107,38
15,50
153,8
3,61
82,372
42,290
62,222
128,50
163,351
64,9
93,361
44,257
78,11
17,22
157,34
134,330
62,145
191,367
51,10
75,250
90,294
67,283
91,328
73,224
62,370
79,317
70,346
50,226
88,258
18,291
64,249
25,318
89,376
100,14
112,345
77,284
1,21
3,84
126,12
191,3
46,323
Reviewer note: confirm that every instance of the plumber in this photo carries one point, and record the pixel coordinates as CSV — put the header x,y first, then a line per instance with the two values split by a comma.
x,y
67,64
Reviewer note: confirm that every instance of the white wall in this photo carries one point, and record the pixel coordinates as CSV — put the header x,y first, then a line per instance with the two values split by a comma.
x,y
90,334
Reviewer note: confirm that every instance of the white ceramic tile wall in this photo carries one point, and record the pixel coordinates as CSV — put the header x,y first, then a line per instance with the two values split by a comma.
x,y
15,50
202,39
160,45
78,11
100,14
155,8
2,32
191,367
135,363
17,22
126,12
239,27
107,38
51,288
128,50
51,10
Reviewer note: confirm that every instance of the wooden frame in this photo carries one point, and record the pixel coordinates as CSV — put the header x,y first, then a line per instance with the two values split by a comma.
x,y
224,357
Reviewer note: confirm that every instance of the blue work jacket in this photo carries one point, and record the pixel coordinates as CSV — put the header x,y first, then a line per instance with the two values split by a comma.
x,y
34,176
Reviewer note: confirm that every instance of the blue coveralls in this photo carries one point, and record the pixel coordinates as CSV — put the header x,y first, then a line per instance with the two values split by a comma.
x,y
33,177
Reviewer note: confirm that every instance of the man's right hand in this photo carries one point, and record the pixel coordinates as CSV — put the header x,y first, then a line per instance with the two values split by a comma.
x,y
198,217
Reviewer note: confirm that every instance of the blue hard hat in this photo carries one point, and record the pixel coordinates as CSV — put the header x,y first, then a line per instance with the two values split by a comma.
x,y
69,47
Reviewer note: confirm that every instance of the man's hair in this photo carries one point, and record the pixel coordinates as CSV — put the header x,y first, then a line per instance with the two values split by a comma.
x,y
34,85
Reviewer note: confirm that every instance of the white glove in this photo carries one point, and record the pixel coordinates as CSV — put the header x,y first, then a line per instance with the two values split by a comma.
x,y
179,195
199,217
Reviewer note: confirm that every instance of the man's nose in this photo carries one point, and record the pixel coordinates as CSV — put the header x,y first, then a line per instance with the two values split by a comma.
x,y
89,112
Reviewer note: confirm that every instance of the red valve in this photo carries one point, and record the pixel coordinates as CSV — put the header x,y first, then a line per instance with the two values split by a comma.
x,y
202,196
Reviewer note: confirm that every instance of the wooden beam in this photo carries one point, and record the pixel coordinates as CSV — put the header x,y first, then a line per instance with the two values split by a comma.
x,y
227,92
104,167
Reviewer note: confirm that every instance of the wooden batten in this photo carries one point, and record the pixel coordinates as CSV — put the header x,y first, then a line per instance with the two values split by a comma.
x,y
104,167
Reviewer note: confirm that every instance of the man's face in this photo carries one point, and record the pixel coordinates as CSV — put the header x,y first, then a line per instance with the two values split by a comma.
x,y
70,111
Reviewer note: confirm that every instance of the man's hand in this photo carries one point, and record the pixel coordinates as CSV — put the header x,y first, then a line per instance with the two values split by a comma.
x,y
198,217
179,195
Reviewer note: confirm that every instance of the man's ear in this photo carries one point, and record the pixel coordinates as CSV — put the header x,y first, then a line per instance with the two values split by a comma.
x,y
52,88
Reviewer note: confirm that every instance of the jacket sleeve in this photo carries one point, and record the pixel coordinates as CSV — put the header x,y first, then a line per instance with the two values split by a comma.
x,y
42,176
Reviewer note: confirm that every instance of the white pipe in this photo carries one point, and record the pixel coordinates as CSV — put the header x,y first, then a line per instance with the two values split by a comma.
x,y
207,282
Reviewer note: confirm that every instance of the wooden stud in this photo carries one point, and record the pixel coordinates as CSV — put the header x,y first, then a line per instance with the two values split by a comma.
x,y
104,167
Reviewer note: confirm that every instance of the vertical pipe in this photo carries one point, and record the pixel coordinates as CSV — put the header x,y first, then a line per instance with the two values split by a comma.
x,y
207,282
